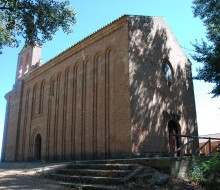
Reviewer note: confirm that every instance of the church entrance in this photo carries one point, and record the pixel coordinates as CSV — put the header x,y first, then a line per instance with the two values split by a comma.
x,y
173,140
37,147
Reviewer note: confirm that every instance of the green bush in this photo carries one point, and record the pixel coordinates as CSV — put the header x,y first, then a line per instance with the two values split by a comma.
x,y
205,171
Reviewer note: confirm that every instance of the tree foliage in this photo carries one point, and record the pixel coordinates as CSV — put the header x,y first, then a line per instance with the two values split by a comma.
x,y
34,20
209,53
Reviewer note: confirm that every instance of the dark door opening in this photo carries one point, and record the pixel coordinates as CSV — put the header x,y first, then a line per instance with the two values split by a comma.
x,y
37,147
173,140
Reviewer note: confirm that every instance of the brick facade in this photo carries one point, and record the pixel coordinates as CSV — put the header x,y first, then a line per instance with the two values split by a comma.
x,y
104,97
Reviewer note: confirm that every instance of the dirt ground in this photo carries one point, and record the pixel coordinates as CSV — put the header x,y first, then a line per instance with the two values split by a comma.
x,y
27,175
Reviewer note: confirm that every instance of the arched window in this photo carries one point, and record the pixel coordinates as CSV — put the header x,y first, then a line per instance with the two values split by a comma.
x,y
41,103
26,64
20,70
167,70
34,100
52,86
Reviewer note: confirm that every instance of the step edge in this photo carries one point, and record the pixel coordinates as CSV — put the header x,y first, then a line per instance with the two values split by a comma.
x,y
85,177
84,185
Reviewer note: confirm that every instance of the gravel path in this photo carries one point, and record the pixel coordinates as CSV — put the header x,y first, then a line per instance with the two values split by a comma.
x,y
27,175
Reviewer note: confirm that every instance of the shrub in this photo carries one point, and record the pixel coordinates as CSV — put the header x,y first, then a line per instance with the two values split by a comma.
x,y
205,171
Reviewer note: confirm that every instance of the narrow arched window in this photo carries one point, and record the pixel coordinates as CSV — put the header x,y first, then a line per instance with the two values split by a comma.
x,y
41,103
52,86
34,100
167,70
20,70
26,64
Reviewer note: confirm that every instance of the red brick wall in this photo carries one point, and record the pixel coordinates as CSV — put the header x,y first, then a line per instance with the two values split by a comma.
x,y
88,114
154,100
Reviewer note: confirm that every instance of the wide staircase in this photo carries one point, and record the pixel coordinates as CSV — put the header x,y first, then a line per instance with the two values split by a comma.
x,y
96,174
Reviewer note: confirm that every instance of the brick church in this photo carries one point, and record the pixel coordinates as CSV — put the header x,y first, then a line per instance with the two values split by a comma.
x,y
118,93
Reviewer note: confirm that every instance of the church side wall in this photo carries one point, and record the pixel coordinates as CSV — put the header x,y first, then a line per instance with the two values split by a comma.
x,y
80,106
154,100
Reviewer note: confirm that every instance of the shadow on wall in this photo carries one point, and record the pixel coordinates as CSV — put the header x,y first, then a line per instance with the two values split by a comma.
x,y
154,100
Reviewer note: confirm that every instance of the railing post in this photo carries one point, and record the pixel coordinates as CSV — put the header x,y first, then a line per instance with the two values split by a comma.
x,y
193,146
171,145
180,145
210,146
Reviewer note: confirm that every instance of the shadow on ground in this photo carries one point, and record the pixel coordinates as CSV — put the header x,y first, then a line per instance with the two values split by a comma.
x,y
27,175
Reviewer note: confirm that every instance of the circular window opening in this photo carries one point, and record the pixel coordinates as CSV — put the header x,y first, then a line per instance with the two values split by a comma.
x,y
167,70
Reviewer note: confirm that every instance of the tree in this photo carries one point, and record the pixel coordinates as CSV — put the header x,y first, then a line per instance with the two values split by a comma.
x,y
209,53
34,20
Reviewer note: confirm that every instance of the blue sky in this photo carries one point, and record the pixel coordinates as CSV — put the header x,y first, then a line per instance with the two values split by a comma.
x,y
92,15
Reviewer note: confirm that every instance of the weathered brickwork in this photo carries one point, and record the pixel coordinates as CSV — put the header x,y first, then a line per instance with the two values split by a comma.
x,y
105,97
154,100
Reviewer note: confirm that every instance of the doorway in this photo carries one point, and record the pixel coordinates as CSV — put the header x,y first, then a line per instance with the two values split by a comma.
x,y
174,142
37,147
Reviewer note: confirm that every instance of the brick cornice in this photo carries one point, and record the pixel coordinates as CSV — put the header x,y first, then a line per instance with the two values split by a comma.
x,y
86,42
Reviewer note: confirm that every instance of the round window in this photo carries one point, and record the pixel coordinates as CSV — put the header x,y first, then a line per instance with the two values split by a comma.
x,y
167,70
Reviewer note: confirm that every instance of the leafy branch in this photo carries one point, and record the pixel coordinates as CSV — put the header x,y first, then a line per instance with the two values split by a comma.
x,y
34,20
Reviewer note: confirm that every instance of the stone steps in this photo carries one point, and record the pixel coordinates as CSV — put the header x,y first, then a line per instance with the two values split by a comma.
x,y
94,172
98,175
102,166
86,179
